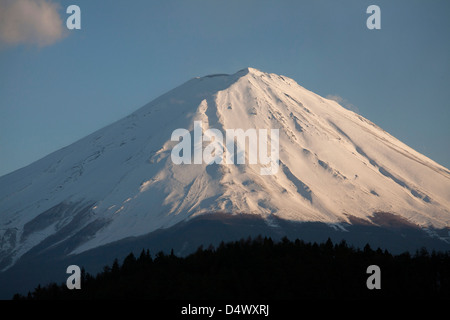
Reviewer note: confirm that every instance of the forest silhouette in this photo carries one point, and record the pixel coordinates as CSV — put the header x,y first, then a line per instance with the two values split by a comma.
x,y
263,269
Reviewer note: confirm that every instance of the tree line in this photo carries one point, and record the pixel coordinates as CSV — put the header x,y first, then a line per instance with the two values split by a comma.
x,y
263,269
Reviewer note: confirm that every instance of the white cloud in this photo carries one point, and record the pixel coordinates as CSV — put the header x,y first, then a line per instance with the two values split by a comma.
x,y
343,102
30,22
334,97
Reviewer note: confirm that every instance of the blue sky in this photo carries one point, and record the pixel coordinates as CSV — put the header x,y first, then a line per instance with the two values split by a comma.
x,y
59,89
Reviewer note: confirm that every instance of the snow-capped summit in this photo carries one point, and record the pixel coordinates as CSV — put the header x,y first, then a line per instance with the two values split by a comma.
x,y
334,167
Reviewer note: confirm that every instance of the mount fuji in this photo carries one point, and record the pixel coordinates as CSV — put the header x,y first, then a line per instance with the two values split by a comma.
x,y
117,189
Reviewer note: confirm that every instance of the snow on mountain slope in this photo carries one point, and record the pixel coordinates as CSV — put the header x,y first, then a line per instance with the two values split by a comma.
x,y
120,181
